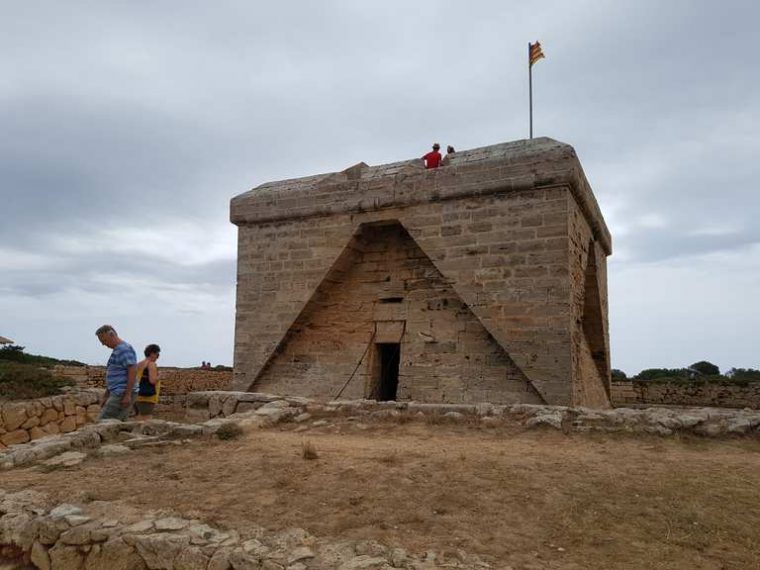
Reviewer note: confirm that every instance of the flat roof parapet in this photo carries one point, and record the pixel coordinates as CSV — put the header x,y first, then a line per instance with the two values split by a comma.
x,y
506,167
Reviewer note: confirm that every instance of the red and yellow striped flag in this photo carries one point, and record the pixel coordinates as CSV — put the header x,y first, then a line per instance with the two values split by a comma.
x,y
534,53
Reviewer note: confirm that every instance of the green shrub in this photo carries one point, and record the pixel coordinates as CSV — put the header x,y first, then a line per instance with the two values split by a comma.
x,y
15,353
705,367
27,381
619,375
744,375
700,380
652,373
230,430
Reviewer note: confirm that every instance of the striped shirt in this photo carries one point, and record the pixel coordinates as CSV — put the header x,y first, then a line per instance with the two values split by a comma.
x,y
122,357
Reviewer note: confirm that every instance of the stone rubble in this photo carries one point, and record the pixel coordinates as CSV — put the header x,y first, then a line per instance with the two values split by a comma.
x,y
656,420
70,537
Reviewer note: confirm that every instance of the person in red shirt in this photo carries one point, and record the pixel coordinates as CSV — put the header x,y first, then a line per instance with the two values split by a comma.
x,y
433,158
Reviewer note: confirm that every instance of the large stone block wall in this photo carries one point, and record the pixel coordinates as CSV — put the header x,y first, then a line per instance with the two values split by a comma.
x,y
28,420
712,394
590,336
480,252
446,353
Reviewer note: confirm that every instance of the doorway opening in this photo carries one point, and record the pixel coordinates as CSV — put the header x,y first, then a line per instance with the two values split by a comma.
x,y
388,355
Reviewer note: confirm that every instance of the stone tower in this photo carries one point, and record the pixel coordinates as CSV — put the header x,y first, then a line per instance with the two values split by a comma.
x,y
483,280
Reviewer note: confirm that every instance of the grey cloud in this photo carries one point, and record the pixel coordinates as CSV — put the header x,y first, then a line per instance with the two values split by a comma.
x,y
116,115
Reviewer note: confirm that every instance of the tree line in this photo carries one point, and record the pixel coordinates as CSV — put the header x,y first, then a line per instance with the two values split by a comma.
x,y
702,370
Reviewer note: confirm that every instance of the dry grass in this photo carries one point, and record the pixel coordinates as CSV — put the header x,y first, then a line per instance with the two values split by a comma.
x,y
390,458
514,497
229,431
308,451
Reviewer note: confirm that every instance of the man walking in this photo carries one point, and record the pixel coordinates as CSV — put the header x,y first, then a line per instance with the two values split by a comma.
x,y
121,386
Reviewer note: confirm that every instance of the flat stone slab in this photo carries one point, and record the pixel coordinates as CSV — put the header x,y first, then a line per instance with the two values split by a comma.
x,y
66,459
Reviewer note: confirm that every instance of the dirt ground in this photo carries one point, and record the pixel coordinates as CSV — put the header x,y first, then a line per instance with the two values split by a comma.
x,y
530,499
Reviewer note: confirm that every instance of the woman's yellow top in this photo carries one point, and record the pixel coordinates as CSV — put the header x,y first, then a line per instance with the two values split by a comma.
x,y
150,399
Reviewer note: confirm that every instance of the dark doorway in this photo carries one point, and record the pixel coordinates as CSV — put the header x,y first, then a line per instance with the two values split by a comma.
x,y
389,355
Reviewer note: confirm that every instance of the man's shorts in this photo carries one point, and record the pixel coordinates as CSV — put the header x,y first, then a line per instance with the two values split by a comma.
x,y
113,410
144,408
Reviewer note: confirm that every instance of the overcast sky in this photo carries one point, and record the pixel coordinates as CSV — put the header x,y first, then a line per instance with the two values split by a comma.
x,y
126,127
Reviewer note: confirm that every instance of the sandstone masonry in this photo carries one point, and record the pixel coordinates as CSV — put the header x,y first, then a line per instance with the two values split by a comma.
x,y
694,393
29,420
480,281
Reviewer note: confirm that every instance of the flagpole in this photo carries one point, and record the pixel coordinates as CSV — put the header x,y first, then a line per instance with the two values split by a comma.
x,y
530,92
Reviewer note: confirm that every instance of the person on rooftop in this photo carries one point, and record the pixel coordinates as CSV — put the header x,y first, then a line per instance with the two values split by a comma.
x,y
433,158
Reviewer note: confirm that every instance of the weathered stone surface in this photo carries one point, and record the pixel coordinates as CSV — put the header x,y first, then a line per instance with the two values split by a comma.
x,y
19,528
115,554
65,558
214,406
68,424
36,433
39,556
69,407
77,535
548,418
13,415
50,530
170,523
15,437
241,560
191,558
220,560
300,553
93,410
159,551
65,510
66,459
140,527
243,407
113,449
49,415
31,422
363,562
228,406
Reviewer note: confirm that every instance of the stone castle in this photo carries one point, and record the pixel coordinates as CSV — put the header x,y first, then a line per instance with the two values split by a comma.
x,y
483,280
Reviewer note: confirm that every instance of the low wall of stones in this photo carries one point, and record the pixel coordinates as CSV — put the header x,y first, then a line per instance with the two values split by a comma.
x,y
108,536
695,393
217,406
29,420
176,383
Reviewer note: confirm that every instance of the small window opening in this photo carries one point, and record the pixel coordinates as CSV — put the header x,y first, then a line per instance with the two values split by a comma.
x,y
389,354
392,300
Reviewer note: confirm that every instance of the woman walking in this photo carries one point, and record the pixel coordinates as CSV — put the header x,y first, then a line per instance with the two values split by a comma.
x,y
150,385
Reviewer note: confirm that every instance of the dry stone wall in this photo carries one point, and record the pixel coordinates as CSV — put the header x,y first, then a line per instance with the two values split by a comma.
x,y
176,383
266,409
503,234
29,420
713,394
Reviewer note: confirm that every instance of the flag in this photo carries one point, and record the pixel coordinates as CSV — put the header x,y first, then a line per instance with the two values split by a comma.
x,y
534,53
